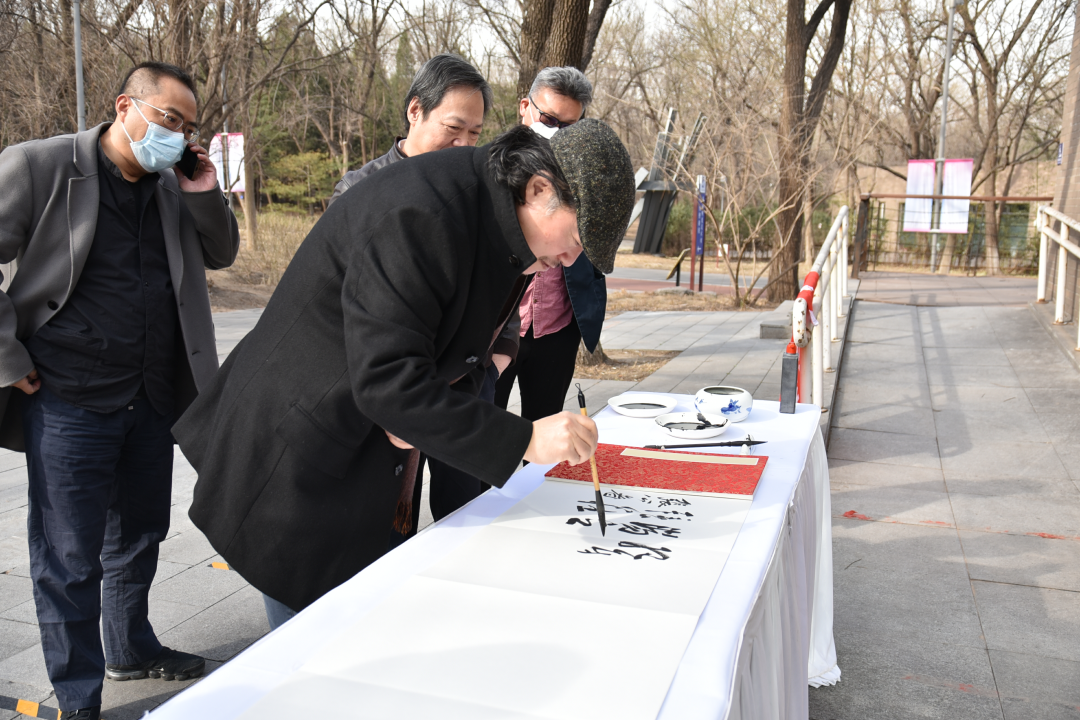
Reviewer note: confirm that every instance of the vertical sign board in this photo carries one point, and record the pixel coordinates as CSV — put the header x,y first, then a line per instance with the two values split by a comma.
x,y
955,180
700,240
920,181
235,149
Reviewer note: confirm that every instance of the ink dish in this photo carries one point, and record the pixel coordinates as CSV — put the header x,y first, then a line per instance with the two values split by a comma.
x,y
642,405
693,425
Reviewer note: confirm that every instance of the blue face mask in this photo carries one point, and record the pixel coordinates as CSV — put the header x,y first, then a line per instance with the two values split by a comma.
x,y
159,149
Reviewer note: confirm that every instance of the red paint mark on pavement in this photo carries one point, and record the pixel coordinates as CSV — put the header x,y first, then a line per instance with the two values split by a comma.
x,y
857,516
1048,536
936,522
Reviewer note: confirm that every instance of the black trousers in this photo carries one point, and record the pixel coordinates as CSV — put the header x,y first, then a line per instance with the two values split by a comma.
x,y
100,494
544,369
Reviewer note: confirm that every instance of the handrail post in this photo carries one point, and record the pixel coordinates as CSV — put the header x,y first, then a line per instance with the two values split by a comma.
x,y
1059,290
817,342
1043,220
844,261
834,292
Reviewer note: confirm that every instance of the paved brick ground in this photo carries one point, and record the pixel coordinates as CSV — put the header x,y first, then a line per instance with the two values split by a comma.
x,y
945,290
955,468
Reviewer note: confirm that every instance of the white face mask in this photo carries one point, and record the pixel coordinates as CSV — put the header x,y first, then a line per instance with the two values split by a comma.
x,y
540,128
543,130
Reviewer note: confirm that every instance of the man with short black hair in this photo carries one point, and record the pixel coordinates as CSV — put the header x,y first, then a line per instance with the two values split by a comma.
x,y
105,337
445,107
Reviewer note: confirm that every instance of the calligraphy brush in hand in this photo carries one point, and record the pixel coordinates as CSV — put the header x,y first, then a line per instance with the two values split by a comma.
x,y
595,477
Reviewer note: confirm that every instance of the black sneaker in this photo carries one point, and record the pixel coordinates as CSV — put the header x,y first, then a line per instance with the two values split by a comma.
x,y
90,713
169,665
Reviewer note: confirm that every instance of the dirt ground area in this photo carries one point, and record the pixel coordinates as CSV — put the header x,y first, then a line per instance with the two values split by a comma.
x,y
632,365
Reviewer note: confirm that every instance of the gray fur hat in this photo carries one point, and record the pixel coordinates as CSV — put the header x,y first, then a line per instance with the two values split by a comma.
x,y
597,166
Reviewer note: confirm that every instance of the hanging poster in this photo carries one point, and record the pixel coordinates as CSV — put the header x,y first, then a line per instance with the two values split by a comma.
x,y
920,181
235,151
537,615
956,180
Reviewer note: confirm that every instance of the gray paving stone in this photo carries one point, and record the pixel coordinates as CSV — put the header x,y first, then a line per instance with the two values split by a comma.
x,y
893,503
973,459
16,637
883,447
866,351
1037,687
130,700
166,614
14,591
1070,459
223,629
884,336
25,612
965,427
991,400
1022,559
977,375
880,417
965,356
857,472
1019,514
1033,620
26,668
899,678
187,548
1054,400
1060,490
201,585
902,580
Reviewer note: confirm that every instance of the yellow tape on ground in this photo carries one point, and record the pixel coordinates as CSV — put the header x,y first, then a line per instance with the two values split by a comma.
x,y
220,566
27,708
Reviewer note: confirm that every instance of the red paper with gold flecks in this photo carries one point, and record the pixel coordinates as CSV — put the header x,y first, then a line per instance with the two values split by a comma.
x,y
615,468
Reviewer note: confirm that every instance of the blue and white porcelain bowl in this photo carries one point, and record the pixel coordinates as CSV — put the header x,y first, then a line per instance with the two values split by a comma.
x,y
731,402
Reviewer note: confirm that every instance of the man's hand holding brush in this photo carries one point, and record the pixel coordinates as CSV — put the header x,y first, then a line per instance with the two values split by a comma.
x,y
564,436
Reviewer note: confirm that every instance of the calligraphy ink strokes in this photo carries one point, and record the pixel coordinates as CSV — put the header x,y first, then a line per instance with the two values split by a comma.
x,y
535,616
683,472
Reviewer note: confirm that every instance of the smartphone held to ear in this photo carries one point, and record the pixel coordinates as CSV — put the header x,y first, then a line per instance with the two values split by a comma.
x,y
189,163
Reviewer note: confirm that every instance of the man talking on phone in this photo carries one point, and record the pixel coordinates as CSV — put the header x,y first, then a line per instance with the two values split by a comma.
x,y
105,338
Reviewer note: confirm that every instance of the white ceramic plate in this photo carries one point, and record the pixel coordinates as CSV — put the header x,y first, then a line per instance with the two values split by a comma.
x,y
684,425
642,405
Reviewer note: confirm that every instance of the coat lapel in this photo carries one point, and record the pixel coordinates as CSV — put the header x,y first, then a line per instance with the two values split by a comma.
x,y
169,209
83,200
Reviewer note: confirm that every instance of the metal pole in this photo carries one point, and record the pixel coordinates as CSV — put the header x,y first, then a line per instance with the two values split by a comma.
x,y
224,132
939,166
80,92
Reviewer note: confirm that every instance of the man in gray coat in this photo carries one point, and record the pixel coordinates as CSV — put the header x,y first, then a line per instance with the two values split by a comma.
x,y
105,338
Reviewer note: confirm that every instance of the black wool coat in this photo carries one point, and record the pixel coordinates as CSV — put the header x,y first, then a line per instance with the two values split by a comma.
x,y
398,291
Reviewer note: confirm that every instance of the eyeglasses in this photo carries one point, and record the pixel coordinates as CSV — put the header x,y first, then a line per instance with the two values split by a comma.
x,y
171,122
549,119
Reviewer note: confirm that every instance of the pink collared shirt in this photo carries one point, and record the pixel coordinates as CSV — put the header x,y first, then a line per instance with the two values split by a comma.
x,y
546,305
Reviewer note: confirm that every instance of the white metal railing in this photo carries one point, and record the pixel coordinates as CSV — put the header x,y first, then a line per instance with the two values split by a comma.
x,y
1045,218
826,287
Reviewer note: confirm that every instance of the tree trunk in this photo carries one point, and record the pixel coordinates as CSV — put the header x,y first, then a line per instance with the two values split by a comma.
x,y
567,39
591,359
596,21
799,113
946,259
535,28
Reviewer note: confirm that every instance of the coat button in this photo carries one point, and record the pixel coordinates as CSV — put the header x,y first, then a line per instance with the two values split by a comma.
x,y
471,359
399,469
52,304
515,261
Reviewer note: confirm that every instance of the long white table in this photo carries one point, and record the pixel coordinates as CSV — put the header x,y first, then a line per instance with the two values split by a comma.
x,y
765,633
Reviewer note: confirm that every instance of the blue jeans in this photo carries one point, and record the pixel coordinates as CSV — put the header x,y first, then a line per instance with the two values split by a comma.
x,y
100,494
277,614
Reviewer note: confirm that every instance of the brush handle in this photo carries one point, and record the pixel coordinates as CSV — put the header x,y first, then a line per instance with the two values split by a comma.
x,y
592,460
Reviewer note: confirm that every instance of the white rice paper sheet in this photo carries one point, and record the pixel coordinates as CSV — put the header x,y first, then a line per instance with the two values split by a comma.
x,y
536,616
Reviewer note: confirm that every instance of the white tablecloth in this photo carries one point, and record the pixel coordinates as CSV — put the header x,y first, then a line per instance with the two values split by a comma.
x,y
766,630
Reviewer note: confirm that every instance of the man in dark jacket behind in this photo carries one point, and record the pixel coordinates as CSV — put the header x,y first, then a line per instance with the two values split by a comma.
x,y
302,440
444,108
